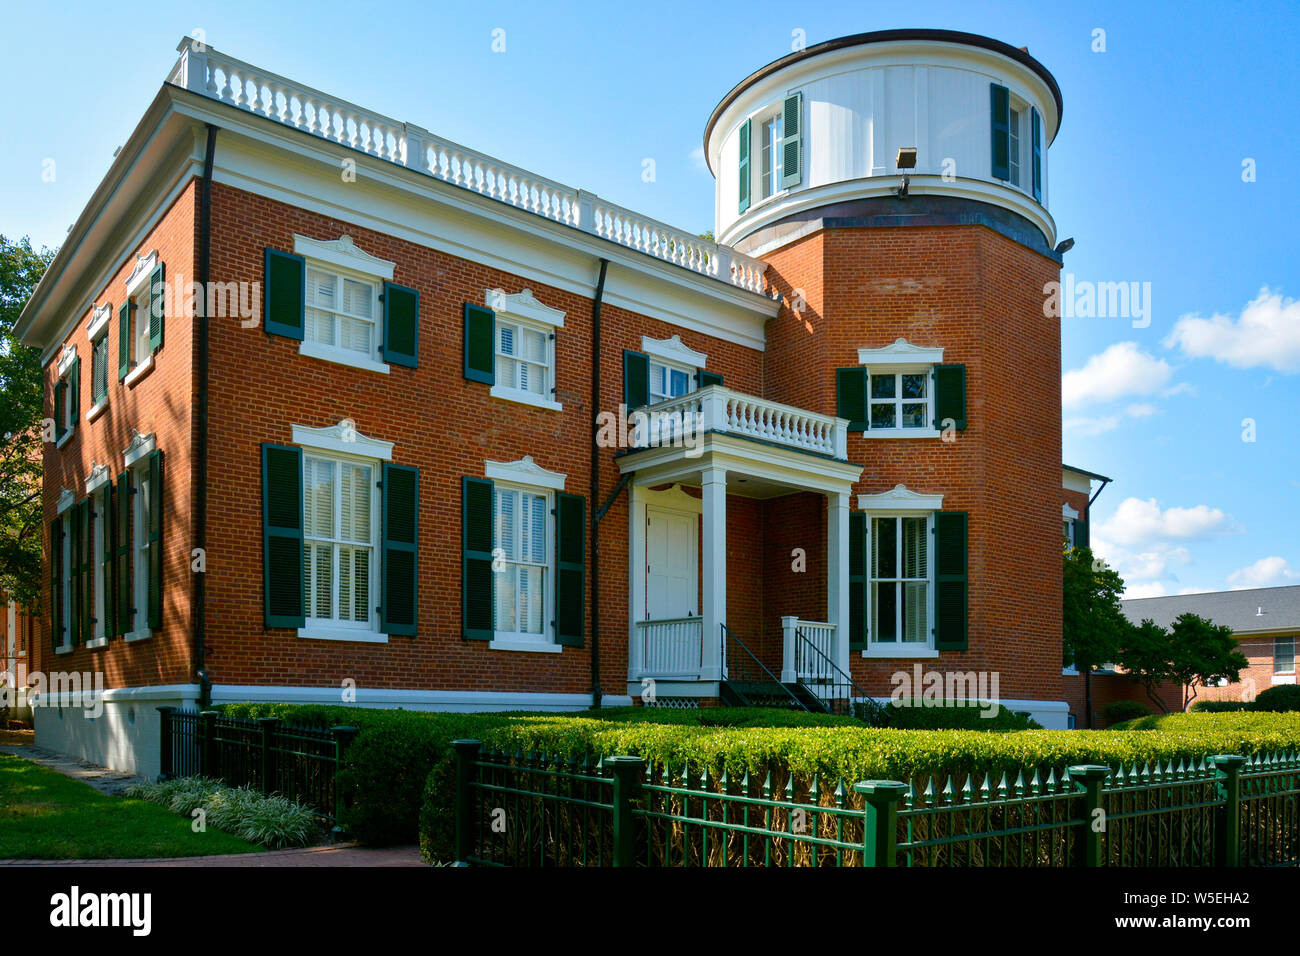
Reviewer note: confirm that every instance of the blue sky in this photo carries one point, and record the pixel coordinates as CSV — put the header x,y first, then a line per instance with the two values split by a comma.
x,y
1146,175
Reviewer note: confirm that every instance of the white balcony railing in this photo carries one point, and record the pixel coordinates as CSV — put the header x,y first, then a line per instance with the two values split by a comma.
x,y
670,648
811,665
213,74
718,409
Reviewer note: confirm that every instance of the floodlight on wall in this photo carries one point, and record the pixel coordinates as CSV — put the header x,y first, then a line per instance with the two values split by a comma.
x,y
906,159
1065,245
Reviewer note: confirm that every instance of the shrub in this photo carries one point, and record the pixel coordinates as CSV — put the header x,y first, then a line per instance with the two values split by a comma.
x,y
917,715
1282,699
272,821
1119,711
1219,706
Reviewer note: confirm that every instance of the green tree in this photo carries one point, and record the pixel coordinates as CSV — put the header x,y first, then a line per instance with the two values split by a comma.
x,y
1092,623
21,268
1193,653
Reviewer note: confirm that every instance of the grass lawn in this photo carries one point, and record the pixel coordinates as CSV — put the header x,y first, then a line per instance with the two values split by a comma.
x,y
47,816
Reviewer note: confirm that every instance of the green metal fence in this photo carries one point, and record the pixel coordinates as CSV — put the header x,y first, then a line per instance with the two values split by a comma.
x,y
533,810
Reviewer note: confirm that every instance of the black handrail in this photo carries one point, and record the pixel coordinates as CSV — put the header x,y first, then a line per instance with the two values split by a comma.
x,y
826,674
739,671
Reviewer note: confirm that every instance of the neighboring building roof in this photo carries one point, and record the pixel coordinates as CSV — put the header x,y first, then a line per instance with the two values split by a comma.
x,y
1239,610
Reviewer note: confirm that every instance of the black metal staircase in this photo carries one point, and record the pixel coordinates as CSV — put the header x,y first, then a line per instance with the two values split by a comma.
x,y
748,683
831,690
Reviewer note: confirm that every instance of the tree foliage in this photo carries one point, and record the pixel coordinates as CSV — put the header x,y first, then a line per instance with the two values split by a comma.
x,y
21,451
1093,625
1193,653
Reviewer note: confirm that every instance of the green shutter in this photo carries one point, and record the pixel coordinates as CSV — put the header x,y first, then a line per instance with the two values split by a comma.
x,y
743,171
791,140
122,579
78,575
950,580
480,344
124,340
74,392
857,581
950,395
1081,533
704,379
1038,154
157,306
284,293
73,572
88,569
399,604
1000,121
282,536
401,325
56,582
107,561
571,568
60,402
154,531
477,580
851,396
636,379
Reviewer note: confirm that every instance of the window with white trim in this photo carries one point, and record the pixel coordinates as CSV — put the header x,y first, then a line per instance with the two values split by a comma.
x,y
523,357
67,527
99,572
769,152
900,579
901,399
340,537
140,504
1013,152
140,348
342,310
669,381
522,553
1284,655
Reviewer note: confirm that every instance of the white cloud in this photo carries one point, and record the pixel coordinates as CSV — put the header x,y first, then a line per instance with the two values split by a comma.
x,y
1182,388
1091,426
697,158
1141,410
1267,333
1264,573
1151,589
1121,370
1138,524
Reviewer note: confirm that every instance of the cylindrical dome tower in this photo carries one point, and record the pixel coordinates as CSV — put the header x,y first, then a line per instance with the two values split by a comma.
x,y
914,308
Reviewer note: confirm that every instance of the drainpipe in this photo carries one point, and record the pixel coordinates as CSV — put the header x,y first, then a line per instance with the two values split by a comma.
x,y
201,429
595,487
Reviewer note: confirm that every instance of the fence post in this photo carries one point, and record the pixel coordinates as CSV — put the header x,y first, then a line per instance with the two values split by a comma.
x,y
165,742
269,726
467,752
628,773
1227,838
208,758
880,823
1089,778
343,737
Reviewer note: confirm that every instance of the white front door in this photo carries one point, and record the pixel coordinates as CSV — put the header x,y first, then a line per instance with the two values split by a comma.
x,y
672,564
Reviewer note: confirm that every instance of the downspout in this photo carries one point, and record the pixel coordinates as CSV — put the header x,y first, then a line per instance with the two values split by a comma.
x,y
200,475
1087,676
595,487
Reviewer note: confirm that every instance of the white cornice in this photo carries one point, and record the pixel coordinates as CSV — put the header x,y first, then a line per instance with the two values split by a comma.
x,y
143,266
901,352
343,252
900,498
66,500
141,445
99,476
1068,512
66,358
525,471
98,322
343,438
523,305
672,349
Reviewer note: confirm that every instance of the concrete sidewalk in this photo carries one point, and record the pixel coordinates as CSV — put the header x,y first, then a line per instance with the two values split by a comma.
x,y
343,854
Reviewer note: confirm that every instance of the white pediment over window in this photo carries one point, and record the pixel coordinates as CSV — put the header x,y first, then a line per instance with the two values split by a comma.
x,y
140,446
98,322
343,252
143,266
99,476
525,471
66,500
523,305
901,352
900,498
672,349
66,358
1068,512
345,438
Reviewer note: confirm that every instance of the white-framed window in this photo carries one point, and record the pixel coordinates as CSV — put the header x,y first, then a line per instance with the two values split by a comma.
x,y
524,357
68,529
340,541
97,332
1069,532
523,557
769,156
1013,153
1284,655
98,539
901,399
140,349
140,505
669,381
342,311
900,580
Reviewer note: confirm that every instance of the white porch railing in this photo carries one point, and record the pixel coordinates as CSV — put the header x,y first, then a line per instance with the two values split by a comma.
x,y
800,663
217,76
671,648
719,409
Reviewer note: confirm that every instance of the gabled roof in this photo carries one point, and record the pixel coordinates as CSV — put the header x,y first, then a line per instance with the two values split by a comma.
x,y
1239,610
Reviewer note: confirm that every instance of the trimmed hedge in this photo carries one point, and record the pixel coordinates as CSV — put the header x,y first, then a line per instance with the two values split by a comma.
x,y
1284,698
1219,706
916,715
1119,711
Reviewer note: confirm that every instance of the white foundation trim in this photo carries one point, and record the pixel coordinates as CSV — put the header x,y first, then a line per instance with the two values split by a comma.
x,y
414,699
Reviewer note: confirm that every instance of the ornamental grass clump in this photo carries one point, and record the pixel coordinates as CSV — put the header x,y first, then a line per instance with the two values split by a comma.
x,y
271,821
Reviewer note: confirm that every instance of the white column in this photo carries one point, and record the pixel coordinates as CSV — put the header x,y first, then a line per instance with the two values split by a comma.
x,y
837,574
636,575
714,571
789,624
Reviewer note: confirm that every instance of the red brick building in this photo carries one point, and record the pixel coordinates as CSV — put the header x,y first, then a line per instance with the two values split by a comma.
x,y
346,412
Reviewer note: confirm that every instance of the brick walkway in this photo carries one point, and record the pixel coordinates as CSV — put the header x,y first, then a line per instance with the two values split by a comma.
x,y
343,854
